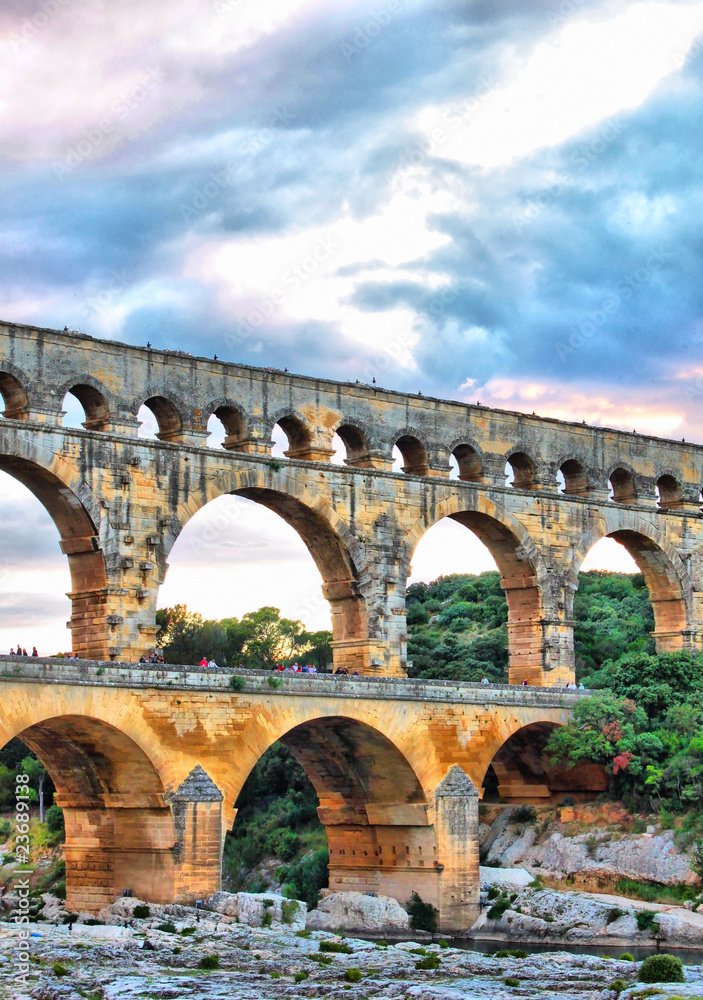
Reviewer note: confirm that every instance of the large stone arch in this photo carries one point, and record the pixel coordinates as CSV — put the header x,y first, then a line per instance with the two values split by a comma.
x,y
525,578
514,764
119,828
71,505
138,814
338,553
665,573
383,805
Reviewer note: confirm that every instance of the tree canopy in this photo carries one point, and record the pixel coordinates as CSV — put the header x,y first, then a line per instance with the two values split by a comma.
x,y
260,639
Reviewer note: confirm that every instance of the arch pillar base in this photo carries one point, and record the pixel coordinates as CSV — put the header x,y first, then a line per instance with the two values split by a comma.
x,y
367,656
197,818
456,828
112,849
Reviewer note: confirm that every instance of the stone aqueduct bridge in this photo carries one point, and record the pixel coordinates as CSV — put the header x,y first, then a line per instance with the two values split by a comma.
x,y
148,765
120,501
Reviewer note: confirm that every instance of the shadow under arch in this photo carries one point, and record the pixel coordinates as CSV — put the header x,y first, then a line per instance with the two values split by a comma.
x,y
73,511
337,555
520,771
666,577
524,577
372,805
120,831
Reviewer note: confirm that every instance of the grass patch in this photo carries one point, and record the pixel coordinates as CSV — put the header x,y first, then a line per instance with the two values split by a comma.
x,y
646,921
353,975
511,981
335,947
431,961
209,963
423,916
655,892
499,907
141,912
320,959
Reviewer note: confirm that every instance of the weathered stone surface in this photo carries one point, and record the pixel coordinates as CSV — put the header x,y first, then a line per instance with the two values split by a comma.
x,y
102,933
223,902
505,876
356,911
254,909
260,964
602,853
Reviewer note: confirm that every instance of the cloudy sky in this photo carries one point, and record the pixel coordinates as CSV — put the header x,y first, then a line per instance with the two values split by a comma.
x,y
508,198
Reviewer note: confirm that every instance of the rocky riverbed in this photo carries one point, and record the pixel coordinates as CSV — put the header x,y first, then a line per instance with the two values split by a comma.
x,y
178,951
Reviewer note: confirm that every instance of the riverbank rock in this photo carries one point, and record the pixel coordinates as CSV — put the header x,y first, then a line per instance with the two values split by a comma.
x,y
603,853
267,908
357,911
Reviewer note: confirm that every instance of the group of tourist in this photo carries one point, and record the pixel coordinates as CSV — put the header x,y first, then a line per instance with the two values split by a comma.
x,y
23,652
154,658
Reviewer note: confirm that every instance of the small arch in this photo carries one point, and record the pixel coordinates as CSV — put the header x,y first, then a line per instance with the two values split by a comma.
x,y
95,406
233,421
469,463
167,416
414,455
669,492
14,397
622,484
355,443
574,476
523,470
298,434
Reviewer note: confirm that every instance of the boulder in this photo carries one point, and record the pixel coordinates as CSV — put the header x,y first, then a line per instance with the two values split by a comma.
x,y
266,909
53,907
102,933
680,930
357,911
504,876
226,903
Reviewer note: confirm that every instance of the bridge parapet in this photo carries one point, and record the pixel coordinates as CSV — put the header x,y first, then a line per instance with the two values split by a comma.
x,y
174,677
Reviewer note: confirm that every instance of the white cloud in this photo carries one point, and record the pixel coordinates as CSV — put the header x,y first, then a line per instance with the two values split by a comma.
x,y
584,73
270,280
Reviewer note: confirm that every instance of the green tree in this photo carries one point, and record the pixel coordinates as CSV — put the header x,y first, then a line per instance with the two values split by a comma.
x,y
270,638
